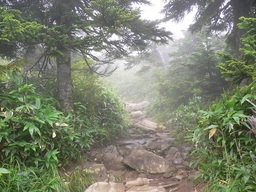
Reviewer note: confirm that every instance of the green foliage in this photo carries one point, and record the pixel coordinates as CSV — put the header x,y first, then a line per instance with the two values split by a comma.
x,y
7,67
225,145
32,130
111,27
30,179
225,135
35,133
79,179
249,38
212,16
183,119
171,92
97,106
236,70
16,31
192,73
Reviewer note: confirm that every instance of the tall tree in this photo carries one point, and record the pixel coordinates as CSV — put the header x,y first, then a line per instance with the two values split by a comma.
x,y
218,15
112,27
192,71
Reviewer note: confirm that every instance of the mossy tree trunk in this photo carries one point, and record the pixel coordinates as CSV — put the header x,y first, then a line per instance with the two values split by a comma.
x,y
63,60
65,87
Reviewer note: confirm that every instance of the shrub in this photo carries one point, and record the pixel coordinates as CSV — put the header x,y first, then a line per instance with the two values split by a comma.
x,y
27,179
225,150
97,106
183,119
32,130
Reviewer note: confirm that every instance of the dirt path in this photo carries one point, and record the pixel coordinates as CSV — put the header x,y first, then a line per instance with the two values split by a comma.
x,y
148,160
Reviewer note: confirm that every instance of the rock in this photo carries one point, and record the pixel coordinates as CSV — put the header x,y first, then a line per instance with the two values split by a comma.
x,y
160,145
168,174
193,174
161,127
126,150
137,106
112,159
178,177
178,161
146,189
149,124
96,155
131,175
174,156
171,152
163,135
138,182
137,115
145,161
181,174
106,187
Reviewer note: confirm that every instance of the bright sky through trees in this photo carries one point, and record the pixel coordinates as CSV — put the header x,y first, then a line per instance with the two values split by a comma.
x,y
153,12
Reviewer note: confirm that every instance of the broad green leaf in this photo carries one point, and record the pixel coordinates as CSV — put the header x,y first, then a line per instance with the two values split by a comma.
x,y
32,128
245,97
211,126
4,171
246,178
38,103
231,103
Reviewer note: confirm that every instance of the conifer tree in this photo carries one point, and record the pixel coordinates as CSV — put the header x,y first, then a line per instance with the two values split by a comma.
x,y
112,27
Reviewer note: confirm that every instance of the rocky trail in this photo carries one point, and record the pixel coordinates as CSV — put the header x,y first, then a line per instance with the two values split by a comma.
x,y
147,161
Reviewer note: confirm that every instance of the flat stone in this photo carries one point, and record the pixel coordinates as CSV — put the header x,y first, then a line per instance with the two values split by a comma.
x,y
106,187
145,161
137,115
178,177
138,182
146,189
171,152
178,161
137,106
149,124
160,144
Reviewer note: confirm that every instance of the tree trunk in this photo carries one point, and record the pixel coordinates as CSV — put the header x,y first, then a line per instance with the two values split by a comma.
x,y
65,86
240,8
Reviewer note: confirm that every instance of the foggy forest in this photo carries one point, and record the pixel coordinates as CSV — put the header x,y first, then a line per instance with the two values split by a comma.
x,y
96,96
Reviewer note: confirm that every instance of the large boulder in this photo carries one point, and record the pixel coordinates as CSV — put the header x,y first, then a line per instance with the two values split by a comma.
x,y
137,115
145,161
147,124
112,159
106,187
161,144
126,149
137,106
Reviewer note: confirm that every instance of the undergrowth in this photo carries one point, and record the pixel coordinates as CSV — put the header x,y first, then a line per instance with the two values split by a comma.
x,y
37,139
225,142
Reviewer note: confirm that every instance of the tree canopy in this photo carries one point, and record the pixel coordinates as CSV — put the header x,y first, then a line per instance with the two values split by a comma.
x,y
111,27
218,15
